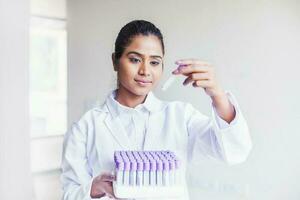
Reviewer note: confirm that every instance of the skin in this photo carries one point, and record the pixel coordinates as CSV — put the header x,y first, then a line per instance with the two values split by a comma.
x,y
139,71
141,61
202,74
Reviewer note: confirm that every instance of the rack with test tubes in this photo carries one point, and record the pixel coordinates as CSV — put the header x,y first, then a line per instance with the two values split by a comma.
x,y
144,174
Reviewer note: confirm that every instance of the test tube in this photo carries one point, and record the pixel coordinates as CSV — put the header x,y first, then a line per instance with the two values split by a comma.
x,y
146,174
119,171
172,172
170,80
132,175
159,169
152,172
139,177
177,172
126,172
166,175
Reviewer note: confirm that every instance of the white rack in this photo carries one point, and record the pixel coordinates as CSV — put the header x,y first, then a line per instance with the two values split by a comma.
x,y
129,192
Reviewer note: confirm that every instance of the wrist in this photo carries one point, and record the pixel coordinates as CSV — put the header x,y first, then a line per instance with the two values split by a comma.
x,y
223,107
219,96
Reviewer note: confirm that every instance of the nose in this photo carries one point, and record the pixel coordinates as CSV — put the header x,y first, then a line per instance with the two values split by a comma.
x,y
144,69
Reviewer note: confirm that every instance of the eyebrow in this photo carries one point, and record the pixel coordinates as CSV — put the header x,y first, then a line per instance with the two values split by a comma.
x,y
141,55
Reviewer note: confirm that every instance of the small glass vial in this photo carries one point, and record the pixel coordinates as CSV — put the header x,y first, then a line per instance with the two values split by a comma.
x,y
152,172
172,172
146,173
119,171
159,170
132,174
139,175
126,172
166,173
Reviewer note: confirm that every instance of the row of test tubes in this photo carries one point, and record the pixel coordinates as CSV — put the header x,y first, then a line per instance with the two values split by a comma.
x,y
147,168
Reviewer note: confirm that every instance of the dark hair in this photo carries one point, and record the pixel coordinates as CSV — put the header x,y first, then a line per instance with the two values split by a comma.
x,y
132,29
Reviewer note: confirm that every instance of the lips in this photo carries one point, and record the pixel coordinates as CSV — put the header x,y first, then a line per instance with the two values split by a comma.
x,y
142,81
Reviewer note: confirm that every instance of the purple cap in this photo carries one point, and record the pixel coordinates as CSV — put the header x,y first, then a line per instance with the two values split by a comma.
x,y
166,165
120,165
144,158
123,154
156,157
128,153
125,159
138,159
159,165
136,155
140,166
127,166
173,155
161,157
168,157
146,165
118,158
152,165
133,166
131,158
177,163
140,153
172,164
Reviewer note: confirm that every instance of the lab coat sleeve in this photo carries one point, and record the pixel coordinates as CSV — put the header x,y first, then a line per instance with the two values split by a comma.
x,y
215,138
76,175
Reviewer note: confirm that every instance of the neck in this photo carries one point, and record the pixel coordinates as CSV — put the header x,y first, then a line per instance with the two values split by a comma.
x,y
129,99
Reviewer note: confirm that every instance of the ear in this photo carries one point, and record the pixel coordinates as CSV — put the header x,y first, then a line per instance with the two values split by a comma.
x,y
115,62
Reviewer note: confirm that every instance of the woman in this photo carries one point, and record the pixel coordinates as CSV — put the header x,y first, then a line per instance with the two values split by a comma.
x,y
132,118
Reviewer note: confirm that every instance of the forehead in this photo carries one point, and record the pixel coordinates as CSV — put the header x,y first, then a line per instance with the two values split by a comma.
x,y
146,45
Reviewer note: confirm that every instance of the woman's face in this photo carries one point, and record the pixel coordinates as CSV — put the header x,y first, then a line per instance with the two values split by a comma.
x,y
140,66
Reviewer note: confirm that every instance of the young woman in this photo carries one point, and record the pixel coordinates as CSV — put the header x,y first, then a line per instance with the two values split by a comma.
x,y
132,118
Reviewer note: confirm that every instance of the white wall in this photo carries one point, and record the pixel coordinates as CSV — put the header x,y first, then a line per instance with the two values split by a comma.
x,y
48,8
46,151
254,46
15,177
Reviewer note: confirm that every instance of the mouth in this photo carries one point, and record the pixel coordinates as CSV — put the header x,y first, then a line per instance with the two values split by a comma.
x,y
143,82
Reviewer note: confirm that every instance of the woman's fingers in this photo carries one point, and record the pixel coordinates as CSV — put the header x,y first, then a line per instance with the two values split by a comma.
x,y
196,76
106,176
108,190
199,73
186,70
187,66
192,61
202,83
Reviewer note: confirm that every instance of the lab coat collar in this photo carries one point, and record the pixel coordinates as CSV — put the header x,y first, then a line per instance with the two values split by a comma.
x,y
151,104
113,121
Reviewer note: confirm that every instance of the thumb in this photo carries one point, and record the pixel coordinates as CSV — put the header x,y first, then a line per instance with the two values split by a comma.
x,y
106,176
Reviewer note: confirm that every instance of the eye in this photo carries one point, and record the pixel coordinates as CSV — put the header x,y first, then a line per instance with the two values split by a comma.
x,y
134,60
154,63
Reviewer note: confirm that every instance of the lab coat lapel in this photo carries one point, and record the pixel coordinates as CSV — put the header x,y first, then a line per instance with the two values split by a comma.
x,y
155,124
114,124
118,131
153,138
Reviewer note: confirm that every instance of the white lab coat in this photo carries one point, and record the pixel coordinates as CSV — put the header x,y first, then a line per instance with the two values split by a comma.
x,y
90,143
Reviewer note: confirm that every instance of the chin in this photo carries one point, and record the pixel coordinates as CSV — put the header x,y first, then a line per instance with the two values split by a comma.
x,y
140,91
